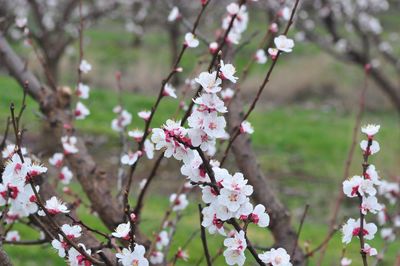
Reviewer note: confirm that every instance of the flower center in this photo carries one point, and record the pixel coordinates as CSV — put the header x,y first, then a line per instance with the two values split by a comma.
x,y
354,190
356,231
233,197
278,259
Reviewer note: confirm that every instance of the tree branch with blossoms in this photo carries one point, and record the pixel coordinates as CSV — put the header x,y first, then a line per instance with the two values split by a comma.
x,y
30,175
362,187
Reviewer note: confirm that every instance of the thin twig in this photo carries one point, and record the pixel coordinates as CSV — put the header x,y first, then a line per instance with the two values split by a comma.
x,y
5,135
303,217
324,242
81,27
75,221
204,238
27,242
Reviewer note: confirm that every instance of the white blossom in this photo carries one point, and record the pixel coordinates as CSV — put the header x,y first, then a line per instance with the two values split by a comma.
x,y
276,257
191,40
260,56
85,67
174,14
235,247
352,228
284,44
370,149
122,231
370,130
228,71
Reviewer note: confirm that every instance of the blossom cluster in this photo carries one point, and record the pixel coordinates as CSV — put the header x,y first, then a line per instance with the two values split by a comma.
x,y
127,256
226,195
16,191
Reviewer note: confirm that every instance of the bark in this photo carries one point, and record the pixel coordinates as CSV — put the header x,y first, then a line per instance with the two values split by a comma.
x,y
4,258
19,71
284,235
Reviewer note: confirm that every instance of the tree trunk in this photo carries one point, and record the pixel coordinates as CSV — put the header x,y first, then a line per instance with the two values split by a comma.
x,y
53,64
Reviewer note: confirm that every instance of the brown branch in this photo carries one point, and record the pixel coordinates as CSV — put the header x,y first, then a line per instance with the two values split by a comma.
x,y
79,222
26,242
17,69
324,242
44,64
142,194
87,238
303,217
81,27
5,135
204,238
360,200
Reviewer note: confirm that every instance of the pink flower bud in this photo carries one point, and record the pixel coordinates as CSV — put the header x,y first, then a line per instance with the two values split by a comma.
x,y
273,28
